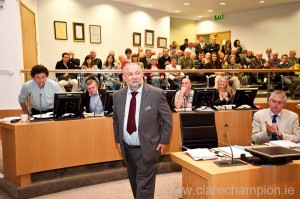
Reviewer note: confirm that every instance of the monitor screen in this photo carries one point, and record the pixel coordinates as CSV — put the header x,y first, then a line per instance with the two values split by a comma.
x,y
108,107
67,105
203,97
170,95
275,154
245,96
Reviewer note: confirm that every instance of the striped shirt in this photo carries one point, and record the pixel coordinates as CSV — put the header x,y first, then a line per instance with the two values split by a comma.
x,y
40,98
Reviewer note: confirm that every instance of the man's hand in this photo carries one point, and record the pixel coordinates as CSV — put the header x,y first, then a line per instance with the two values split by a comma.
x,y
271,128
160,147
119,147
66,74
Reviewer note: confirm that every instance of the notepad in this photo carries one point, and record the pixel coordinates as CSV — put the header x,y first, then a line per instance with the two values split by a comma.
x,y
237,151
201,154
285,143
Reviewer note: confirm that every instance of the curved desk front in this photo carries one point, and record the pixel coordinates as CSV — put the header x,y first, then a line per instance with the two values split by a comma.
x,y
41,146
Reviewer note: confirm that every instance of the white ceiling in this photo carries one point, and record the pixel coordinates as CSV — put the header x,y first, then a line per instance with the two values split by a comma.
x,y
200,7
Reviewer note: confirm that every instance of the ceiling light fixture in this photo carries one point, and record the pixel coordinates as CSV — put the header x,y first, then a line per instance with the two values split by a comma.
x,y
261,2
199,16
209,10
186,4
150,5
177,11
222,4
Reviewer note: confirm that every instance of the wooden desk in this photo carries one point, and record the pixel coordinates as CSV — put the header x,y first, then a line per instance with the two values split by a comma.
x,y
35,147
203,178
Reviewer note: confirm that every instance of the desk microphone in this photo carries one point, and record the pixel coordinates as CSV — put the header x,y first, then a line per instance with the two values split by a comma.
x,y
41,105
229,163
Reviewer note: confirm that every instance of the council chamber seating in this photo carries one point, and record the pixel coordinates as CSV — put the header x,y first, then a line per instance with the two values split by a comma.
x,y
198,130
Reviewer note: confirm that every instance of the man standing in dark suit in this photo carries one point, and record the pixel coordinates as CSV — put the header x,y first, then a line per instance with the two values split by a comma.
x,y
213,47
142,125
185,45
94,98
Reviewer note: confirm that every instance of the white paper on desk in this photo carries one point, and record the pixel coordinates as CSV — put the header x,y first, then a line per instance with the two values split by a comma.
x,y
284,143
8,119
201,154
44,115
236,151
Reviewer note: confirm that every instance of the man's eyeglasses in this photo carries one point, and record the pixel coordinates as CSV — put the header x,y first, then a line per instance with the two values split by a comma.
x,y
277,102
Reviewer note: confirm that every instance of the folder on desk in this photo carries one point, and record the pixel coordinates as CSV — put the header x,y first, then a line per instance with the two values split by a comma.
x,y
201,154
237,151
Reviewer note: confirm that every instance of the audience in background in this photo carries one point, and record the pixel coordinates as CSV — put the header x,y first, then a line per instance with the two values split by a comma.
x,y
154,78
165,59
146,60
234,77
184,96
237,45
74,60
88,65
185,45
174,78
135,59
201,46
226,48
128,53
111,80
213,47
65,79
292,81
96,61
268,54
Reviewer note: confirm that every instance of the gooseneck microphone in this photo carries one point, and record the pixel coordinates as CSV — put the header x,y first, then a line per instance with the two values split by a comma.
x,y
41,105
228,139
230,163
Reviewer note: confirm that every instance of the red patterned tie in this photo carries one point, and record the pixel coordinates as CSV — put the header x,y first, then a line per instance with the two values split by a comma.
x,y
131,127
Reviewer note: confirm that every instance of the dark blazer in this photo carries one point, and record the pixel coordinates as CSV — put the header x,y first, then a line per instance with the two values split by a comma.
x,y
212,48
75,61
144,61
86,99
155,121
162,60
60,65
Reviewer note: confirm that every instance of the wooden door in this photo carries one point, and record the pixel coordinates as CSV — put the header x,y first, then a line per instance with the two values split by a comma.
x,y
28,37
221,37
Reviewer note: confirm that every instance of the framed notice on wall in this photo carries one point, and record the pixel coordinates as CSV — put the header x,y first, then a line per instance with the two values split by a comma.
x,y
95,34
78,32
149,38
60,30
136,39
161,42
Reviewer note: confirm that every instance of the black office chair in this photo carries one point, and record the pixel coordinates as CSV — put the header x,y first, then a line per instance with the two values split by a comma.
x,y
198,130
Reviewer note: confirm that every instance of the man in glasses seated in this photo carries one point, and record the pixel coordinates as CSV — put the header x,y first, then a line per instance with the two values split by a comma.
x,y
275,123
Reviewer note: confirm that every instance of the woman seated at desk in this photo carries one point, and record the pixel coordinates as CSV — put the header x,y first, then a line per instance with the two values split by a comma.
x,y
225,92
184,97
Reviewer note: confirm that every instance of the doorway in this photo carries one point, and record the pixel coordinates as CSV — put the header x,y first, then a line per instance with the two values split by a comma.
x,y
28,37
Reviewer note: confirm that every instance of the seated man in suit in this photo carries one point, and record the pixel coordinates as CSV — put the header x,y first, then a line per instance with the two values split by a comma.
x,y
74,60
94,98
275,123
65,79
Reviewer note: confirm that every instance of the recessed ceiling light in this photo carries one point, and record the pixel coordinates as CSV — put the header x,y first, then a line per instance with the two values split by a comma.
x,y
150,5
199,16
261,2
177,11
222,4
186,4
209,10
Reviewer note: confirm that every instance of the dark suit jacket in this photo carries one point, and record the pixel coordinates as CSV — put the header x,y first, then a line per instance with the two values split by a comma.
x,y
60,65
212,48
144,61
75,61
86,99
162,60
155,121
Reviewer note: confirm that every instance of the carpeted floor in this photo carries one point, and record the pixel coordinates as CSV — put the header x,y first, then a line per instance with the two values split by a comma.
x,y
168,186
